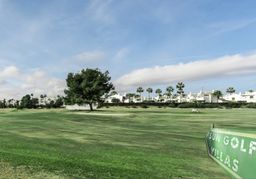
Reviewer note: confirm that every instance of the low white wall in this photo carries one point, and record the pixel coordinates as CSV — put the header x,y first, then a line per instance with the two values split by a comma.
x,y
80,107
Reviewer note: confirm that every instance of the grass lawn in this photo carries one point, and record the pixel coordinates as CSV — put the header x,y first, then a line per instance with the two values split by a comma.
x,y
113,142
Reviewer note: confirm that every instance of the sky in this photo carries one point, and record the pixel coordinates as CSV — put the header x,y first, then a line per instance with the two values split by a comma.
x,y
207,44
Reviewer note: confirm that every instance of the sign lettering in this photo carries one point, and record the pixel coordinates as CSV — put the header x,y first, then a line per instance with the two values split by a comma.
x,y
236,152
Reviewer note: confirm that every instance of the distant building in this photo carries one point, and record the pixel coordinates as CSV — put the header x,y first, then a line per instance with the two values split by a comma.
x,y
234,97
204,97
248,97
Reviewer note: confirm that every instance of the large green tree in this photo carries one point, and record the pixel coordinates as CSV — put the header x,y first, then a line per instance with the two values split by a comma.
x,y
87,87
28,101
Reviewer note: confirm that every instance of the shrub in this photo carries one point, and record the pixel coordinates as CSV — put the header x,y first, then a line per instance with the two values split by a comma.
x,y
144,106
187,105
172,105
115,100
250,105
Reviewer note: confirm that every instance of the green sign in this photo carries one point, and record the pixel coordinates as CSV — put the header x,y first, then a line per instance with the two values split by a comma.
x,y
236,152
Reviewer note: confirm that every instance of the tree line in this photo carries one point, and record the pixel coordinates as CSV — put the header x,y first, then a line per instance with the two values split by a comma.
x,y
91,86
169,92
31,102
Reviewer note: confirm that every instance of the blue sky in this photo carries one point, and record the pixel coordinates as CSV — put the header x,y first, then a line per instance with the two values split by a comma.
x,y
208,44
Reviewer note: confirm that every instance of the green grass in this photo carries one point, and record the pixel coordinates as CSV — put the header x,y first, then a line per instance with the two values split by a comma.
x,y
115,142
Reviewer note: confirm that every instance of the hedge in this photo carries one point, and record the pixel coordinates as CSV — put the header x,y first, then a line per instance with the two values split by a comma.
x,y
183,105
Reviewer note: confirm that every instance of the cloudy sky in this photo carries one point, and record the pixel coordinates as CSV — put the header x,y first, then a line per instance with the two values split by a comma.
x,y
208,44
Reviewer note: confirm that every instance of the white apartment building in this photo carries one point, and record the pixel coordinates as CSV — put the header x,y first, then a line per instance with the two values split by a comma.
x,y
248,97
206,97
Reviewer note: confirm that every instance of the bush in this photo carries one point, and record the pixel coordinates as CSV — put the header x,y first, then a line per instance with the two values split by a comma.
x,y
148,101
187,105
172,105
183,105
250,105
144,106
115,100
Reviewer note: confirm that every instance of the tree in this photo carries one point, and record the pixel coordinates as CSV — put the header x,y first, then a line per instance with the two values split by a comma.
x,y
4,103
218,94
113,93
10,103
180,88
87,87
35,102
129,96
17,103
169,91
26,101
58,102
230,90
149,90
110,94
159,92
140,90
50,103
43,100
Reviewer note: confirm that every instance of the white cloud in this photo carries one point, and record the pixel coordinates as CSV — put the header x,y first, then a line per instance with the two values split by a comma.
x,y
201,69
89,57
15,83
227,26
10,71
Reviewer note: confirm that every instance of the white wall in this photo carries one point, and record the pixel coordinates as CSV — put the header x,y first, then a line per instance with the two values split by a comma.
x,y
80,107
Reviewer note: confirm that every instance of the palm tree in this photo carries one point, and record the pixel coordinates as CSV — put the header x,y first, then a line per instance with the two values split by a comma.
x,y
231,90
41,98
159,92
149,90
140,90
180,88
218,94
169,91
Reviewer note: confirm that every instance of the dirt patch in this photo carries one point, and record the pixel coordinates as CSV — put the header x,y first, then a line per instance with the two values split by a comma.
x,y
21,172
